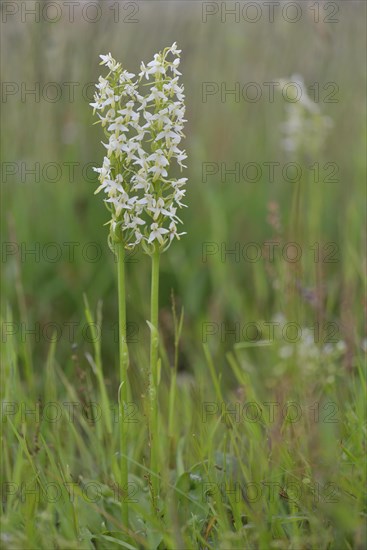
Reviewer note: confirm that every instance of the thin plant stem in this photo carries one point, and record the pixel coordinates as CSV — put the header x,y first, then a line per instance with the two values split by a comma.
x,y
154,348
172,391
98,363
124,363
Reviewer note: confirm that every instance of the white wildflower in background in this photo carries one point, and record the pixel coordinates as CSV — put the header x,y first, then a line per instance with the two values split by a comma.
x,y
305,128
310,354
143,119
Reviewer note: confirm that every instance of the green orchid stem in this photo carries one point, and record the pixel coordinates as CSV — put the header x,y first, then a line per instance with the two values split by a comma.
x,y
124,363
154,377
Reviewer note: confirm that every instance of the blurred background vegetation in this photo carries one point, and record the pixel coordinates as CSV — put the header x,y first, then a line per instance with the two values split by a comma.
x,y
39,210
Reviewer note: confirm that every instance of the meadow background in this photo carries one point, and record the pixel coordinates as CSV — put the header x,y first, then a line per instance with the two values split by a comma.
x,y
57,206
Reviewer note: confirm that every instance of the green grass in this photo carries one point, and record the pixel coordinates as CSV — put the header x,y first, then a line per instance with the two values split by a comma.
x,y
232,475
310,473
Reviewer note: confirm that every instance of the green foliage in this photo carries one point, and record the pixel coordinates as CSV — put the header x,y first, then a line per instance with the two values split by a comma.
x,y
232,474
